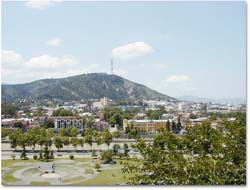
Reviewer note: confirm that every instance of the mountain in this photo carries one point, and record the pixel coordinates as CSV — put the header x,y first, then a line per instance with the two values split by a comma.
x,y
85,86
213,100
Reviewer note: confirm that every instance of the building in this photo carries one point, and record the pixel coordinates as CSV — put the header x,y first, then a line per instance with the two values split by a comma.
x,y
10,123
100,125
64,122
104,102
130,108
145,125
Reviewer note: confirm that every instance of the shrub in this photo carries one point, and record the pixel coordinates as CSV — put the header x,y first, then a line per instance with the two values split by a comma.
x,y
97,166
35,157
94,154
52,155
13,156
71,157
107,155
23,155
40,156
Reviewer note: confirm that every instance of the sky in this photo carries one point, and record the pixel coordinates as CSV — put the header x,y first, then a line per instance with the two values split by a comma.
x,y
176,48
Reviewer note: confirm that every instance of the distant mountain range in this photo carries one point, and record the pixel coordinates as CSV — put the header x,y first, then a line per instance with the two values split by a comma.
x,y
85,86
207,100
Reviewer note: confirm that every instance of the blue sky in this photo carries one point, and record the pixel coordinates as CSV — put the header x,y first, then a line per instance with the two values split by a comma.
x,y
179,48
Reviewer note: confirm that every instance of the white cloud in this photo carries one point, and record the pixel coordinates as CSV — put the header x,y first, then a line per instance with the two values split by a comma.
x,y
41,4
15,69
177,85
11,59
51,62
55,42
132,50
178,79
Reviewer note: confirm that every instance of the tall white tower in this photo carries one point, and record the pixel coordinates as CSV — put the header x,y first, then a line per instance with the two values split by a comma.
x,y
112,66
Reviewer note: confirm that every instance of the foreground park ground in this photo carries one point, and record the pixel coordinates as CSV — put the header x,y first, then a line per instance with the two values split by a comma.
x,y
77,171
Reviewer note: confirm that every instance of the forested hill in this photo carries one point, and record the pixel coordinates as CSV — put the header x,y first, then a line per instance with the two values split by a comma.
x,y
85,86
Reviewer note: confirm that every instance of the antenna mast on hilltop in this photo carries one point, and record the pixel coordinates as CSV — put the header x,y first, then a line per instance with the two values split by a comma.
x,y
112,66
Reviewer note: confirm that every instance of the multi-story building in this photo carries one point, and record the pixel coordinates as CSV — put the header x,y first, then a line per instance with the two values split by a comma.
x,y
104,102
10,123
64,122
145,125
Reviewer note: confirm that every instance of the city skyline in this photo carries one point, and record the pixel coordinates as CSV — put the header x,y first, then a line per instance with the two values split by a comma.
x,y
182,49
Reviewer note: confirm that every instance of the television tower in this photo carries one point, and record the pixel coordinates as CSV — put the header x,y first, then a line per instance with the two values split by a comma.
x,y
112,66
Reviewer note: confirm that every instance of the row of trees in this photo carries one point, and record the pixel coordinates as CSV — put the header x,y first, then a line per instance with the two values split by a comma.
x,y
203,156
36,136
45,137
90,137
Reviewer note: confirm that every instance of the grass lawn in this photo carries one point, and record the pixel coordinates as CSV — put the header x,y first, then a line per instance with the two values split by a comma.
x,y
8,177
85,166
89,171
73,179
106,177
40,183
8,163
82,159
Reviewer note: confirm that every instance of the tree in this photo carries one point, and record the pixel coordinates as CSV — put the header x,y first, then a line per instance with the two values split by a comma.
x,y
88,132
174,127
116,134
89,140
4,132
168,125
66,142
41,141
81,142
90,121
9,109
50,133
74,142
13,139
62,132
99,139
97,166
31,140
58,142
42,132
127,130
22,142
179,126
107,155
203,156
116,148
46,149
116,119
126,150
18,125
155,114
107,137
74,132
133,134
49,124
192,116
62,112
